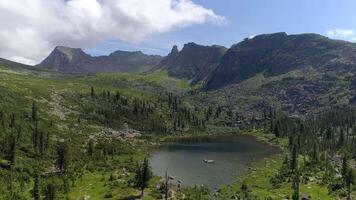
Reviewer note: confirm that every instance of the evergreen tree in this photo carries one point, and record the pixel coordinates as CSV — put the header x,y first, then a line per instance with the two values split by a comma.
x,y
50,191
166,186
11,150
276,130
35,190
62,157
294,161
143,175
34,126
341,138
350,180
92,93
90,148
344,167
295,185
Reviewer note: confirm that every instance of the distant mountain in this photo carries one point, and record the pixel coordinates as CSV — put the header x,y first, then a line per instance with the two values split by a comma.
x,y
73,60
194,62
297,74
279,53
11,64
19,67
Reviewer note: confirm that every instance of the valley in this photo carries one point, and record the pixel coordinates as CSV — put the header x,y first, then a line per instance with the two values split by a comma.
x,y
72,130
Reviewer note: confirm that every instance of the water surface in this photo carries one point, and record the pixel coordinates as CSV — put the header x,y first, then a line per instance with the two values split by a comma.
x,y
232,156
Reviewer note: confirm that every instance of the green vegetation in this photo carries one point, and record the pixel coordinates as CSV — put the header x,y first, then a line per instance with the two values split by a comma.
x,y
78,137
316,162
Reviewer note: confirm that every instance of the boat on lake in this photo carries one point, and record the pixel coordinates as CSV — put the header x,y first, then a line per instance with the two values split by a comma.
x,y
208,161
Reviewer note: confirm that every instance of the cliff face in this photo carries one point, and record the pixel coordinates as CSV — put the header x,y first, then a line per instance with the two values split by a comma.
x,y
279,53
194,62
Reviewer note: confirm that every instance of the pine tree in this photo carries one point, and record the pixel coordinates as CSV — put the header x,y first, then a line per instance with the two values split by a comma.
x,y
62,157
341,138
50,191
315,153
166,186
294,162
34,111
295,185
350,180
11,151
276,130
90,148
34,126
92,93
35,190
344,167
295,171
143,175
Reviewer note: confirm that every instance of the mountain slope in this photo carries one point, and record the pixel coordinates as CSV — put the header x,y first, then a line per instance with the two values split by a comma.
x,y
70,60
15,67
65,135
279,53
194,62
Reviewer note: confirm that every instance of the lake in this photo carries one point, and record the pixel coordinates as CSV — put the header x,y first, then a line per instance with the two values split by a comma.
x,y
232,157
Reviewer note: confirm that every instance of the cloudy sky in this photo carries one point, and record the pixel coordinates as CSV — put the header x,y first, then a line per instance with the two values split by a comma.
x,y
30,29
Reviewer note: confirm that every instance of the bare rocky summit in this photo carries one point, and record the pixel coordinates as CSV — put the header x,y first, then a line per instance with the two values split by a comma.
x,y
194,62
75,60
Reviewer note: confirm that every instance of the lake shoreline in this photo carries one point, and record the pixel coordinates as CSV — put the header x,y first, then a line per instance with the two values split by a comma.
x,y
249,136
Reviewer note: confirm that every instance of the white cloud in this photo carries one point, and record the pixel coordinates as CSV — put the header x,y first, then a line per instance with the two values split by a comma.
x,y
344,34
31,28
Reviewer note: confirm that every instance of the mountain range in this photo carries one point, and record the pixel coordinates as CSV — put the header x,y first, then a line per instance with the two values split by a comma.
x,y
62,120
194,62
297,73
279,53
75,60
216,66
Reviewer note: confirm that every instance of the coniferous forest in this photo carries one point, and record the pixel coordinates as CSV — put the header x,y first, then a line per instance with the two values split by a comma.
x,y
177,100
93,135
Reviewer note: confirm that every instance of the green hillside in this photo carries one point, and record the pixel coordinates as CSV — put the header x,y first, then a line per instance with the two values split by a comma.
x,y
83,136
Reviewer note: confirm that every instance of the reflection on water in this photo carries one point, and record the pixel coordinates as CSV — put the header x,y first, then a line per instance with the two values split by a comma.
x,y
231,154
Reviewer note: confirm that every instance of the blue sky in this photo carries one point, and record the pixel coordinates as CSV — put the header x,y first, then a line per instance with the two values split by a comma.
x,y
245,18
30,29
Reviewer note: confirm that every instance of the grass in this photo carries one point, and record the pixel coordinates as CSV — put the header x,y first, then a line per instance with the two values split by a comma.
x,y
93,185
258,183
18,88
96,185
269,138
258,178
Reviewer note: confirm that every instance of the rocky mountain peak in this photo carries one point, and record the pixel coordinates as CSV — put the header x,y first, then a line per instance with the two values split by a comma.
x,y
276,54
270,36
75,60
69,53
190,45
127,53
193,62
174,51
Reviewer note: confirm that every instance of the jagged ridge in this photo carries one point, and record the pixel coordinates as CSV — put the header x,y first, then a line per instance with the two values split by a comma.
x,y
279,53
194,62
74,60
